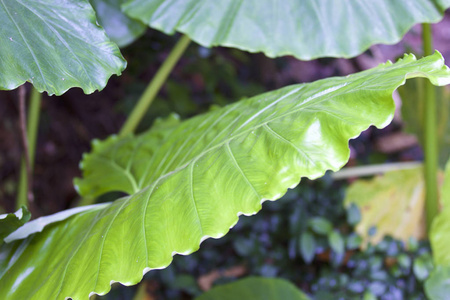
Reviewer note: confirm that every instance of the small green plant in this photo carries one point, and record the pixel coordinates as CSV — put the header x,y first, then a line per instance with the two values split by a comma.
x,y
189,180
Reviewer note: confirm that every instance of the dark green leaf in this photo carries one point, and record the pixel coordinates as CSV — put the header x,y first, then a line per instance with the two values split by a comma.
x,y
55,45
404,261
336,241
422,267
353,214
320,225
305,29
121,29
307,246
353,241
10,222
256,288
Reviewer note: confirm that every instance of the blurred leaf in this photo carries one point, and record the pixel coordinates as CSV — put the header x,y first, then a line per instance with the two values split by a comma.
x,y
440,228
445,189
305,29
353,241
437,286
440,238
256,288
422,266
392,202
307,246
320,225
413,103
121,29
10,222
336,241
353,214
404,261
369,296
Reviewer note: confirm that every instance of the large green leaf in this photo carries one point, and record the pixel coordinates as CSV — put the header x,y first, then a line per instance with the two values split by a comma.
x,y
413,104
306,29
202,174
255,288
55,45
121,29
10,222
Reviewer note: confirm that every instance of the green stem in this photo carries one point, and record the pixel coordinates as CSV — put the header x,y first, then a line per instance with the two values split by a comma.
x,y
430,138
153,88
32,128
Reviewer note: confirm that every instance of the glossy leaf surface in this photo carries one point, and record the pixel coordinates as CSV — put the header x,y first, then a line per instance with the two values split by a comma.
x,y
305,29
393,202
55,45
190,180
10,222
121,29
257,288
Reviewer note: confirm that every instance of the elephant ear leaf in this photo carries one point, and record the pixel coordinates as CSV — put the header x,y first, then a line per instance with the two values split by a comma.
x,y
306,29
120,28
55,46
10,222
190,180
256,288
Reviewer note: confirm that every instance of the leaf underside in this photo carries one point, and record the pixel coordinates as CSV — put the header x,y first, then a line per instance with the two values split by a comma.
x,y
56,46
10,222
306,29
121,29
190,180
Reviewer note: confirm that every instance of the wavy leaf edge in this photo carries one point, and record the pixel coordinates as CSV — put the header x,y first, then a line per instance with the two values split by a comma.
x,y
406,76
205,237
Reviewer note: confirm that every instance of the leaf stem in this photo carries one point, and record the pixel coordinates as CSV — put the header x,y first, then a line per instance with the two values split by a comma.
x,y
29,136
430,137
153,88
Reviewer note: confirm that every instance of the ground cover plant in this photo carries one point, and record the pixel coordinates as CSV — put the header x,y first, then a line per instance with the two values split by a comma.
x,y
187,180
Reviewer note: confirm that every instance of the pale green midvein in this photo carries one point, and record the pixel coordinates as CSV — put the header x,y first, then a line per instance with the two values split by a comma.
x,y
191,186
233,158
282,138
112,163
76,251
191,148
60,38
305,103
103,242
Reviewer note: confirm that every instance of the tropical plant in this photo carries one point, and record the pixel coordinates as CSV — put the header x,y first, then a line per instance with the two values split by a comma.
x,y
189,180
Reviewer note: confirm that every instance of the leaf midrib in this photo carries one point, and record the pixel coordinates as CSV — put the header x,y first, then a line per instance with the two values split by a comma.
x,y
307,102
